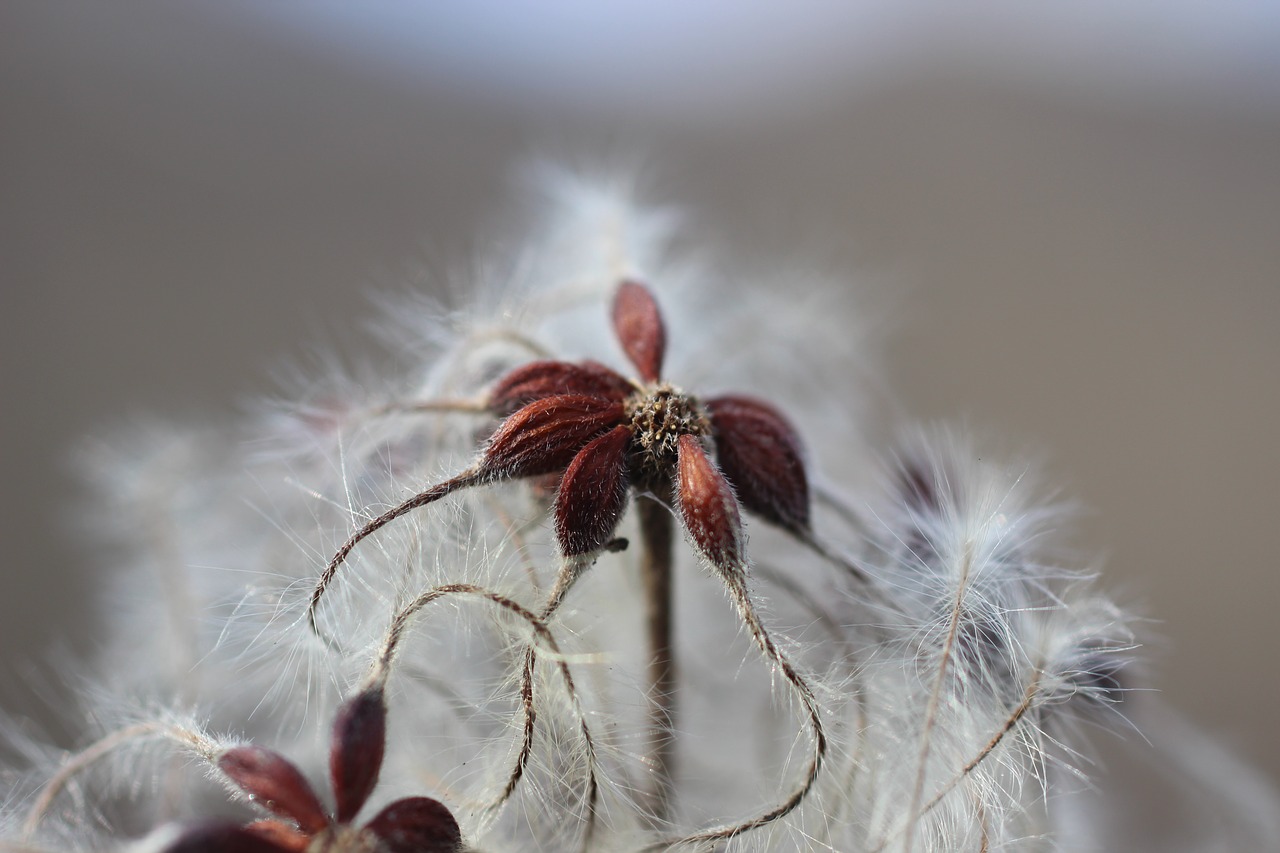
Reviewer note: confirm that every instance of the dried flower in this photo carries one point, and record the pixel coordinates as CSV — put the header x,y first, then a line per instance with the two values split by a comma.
x,y
604,435
271,781
935,659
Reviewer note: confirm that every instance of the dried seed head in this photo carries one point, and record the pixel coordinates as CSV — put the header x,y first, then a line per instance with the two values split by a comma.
x,y
659,416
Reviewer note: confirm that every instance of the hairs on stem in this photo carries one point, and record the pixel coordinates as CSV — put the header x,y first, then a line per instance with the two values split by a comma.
x,y
468,478
1015,716
733,581
935,696
77,763
382,669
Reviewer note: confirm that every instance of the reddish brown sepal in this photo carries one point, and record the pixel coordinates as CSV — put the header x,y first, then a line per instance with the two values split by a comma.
x,y
593,494
545,435
223,838
638,325
540,379
759,452
282,835
708,507
355,757
416,825
275,784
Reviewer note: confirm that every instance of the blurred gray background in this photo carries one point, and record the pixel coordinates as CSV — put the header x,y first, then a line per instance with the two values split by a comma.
x,y
1072,220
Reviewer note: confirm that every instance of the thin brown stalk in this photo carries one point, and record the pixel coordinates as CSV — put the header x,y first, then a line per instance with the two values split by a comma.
x,y
832,625
807,602
656,538
734,582
98,750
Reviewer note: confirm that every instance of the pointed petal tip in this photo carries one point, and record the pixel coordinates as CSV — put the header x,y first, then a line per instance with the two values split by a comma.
x,y
274,783
355,757
637,322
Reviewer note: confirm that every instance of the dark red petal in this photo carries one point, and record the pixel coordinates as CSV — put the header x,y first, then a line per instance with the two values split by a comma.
x,y
223,838
708,507
593,493
417,825
275,784
355,758
282,835
540,379
759,451
544,436
638,325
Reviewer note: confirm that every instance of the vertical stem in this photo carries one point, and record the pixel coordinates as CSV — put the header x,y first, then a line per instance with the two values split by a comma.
x,y
656,534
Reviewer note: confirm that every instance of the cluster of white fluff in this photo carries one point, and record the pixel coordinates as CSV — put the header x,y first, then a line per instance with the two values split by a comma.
x,y
959,657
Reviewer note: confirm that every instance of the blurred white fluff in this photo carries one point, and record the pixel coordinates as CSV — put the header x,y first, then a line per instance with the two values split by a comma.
x,y
962,690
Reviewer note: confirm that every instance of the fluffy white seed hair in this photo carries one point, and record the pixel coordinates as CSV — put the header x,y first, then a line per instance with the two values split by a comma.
x,y
930,640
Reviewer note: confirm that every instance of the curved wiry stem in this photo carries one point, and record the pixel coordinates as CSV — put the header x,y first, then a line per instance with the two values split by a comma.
x,y
98,750
657,569
470,477
569,574
734,583
859,698
400,624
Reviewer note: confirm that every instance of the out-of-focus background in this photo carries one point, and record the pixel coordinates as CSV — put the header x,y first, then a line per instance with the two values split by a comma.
x,y
1069,218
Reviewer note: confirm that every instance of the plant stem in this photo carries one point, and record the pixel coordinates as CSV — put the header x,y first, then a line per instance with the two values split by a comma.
x,y
656,534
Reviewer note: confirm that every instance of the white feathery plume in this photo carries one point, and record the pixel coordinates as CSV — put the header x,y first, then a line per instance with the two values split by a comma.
x,y
920,666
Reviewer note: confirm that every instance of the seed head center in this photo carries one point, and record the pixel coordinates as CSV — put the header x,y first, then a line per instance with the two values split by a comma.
x,y
660,414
